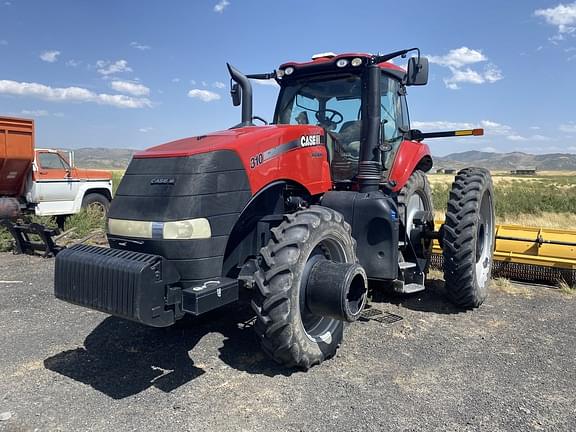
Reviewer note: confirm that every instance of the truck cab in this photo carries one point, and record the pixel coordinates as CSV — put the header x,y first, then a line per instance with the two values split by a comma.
x,y
45,182
58,187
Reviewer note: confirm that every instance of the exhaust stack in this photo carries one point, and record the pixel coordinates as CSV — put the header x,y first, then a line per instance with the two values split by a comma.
x,y
244,95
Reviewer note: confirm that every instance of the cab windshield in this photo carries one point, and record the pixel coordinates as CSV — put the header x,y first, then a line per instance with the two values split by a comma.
x,y
335,104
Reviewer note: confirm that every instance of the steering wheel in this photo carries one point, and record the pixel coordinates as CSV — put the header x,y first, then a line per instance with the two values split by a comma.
x,y
329,121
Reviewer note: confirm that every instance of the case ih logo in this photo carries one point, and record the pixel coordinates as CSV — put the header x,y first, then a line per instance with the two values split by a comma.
x,y
162,181
310,140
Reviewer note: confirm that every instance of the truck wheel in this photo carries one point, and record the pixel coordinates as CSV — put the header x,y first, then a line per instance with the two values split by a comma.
x,y
288,331
468,240
415,197
97,202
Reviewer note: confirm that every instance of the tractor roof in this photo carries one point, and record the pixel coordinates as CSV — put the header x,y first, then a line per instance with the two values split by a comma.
x,y
326,59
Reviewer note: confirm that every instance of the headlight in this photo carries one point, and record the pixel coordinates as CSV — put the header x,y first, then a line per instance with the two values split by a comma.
x,y
175,230
279,73
289,70
357,61
187,229
342,63
130,228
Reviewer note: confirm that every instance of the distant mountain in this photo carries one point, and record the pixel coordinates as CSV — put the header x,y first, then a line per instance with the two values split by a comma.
x,y
103,158
113,158
508,161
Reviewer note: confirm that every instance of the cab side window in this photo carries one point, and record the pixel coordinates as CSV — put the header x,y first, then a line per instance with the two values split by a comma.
x,y
390,108
405,115
51,161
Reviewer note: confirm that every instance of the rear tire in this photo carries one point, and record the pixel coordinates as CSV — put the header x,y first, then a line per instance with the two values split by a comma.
x,y
96,201
288,331
468,241
413,198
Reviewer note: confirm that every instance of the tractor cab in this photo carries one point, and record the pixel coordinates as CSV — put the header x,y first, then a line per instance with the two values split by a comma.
x,y
333,99
333,92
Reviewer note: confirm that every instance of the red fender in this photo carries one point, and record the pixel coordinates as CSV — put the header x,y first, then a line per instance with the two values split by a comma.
x,y
410,156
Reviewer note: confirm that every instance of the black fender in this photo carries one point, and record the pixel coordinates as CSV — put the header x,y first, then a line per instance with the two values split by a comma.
x,y
244,241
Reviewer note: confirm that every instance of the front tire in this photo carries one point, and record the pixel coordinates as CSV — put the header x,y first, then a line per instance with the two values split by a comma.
x,y
96,201
288,331
468,241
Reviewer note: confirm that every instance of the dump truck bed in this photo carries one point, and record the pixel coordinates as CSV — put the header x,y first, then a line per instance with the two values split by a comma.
x,y
16,154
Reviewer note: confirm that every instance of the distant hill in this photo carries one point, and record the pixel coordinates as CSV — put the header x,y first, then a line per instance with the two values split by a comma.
x,y
508,161
113,158
103,158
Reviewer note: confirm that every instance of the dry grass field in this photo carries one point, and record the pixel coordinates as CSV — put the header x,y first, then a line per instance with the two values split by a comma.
x,y
545,200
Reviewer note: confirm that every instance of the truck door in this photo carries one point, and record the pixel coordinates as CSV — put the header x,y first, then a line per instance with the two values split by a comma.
x,y
55,180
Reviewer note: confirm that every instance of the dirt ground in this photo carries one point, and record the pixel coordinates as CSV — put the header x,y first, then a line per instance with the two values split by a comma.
x,y
508,366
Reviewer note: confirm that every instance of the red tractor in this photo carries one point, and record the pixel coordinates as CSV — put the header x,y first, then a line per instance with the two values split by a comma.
x,y
299,214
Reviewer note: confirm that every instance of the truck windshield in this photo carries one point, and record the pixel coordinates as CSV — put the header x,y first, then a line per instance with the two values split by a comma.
x,y
334,103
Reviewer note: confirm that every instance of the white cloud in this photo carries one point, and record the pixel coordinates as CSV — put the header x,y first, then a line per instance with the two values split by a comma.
x,y
268,83
516,138
132,88
35,113
221,5
491,129
49,56
562,16
73,63
175,80
568,127
140,46
203,95
70,94
106,67
459,57
145,129
489,149
219,84
535,127
459,61
3,42
193,82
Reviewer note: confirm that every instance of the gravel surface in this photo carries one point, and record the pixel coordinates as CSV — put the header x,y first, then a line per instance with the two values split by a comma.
x,y
508,366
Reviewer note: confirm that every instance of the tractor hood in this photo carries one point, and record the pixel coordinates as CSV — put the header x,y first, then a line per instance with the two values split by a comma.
x,y
241,140
267,153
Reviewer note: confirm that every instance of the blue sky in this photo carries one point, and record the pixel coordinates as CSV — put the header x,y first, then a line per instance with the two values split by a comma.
x,y
135,74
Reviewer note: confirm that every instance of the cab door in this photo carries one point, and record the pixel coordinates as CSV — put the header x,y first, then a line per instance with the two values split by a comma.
x,y
54,179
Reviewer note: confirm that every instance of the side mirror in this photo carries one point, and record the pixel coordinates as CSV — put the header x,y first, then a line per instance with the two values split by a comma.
x,y
417,71
236,93
414,135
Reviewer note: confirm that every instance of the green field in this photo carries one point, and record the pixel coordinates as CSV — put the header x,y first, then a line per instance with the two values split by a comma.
x,y
547,200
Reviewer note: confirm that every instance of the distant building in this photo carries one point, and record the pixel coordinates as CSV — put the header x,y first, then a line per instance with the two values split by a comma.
x,y
524,171
449,170
440,171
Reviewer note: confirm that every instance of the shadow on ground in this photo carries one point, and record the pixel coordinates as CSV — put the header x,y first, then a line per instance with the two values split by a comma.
x,y
432,299
121,358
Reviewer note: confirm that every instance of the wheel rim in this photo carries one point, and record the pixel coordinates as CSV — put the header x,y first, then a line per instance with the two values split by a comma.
x,y
484,240
318,328
414,205
97,207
